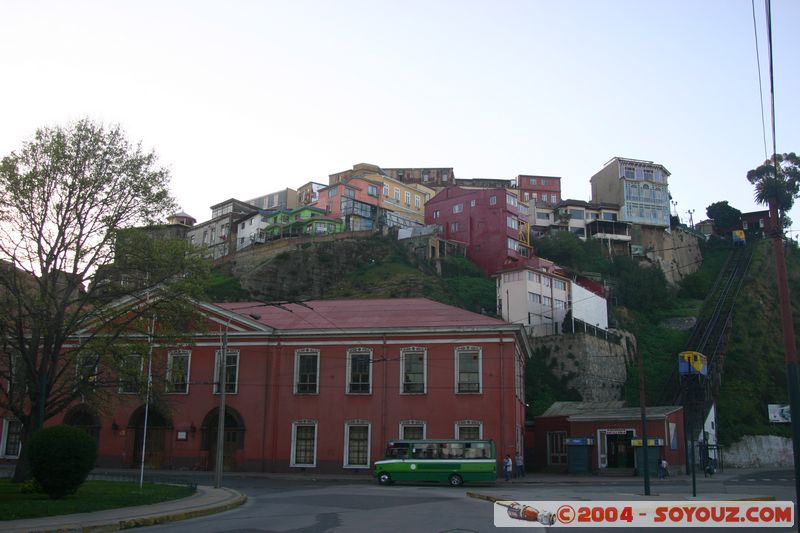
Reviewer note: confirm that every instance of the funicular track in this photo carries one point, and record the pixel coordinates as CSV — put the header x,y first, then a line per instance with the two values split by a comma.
x,y
710,333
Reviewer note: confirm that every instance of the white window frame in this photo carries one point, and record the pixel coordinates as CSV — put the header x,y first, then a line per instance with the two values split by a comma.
x,y
493,200
417,201
409,351
397,195
467,423
4,439
385,190
350,353
170,357
293,461
297,354
408,198
411,423
468,349
347,427
215,379
458,208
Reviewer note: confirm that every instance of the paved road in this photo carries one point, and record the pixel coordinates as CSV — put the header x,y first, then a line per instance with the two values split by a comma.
x,y
305,505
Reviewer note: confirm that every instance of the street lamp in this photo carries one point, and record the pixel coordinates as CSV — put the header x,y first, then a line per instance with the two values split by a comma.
x,y
223,360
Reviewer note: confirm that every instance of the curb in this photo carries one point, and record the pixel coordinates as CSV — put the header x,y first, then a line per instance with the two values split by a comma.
x,y
170,517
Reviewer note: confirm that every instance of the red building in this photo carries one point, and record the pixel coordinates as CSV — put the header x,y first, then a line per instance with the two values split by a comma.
x,y
546,189
491,223
610,432
320,386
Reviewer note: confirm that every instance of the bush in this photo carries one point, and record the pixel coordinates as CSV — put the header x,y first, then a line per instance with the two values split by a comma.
x,y
61,457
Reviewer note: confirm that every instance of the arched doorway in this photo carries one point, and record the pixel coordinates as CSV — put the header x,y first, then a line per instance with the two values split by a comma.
x,y
158,427
234,437
83,417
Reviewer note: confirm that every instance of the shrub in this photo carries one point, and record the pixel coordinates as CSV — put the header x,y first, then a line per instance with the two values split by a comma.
x,y
61,457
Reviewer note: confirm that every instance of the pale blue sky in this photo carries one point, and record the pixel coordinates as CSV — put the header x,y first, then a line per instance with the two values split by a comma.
x,y
242,98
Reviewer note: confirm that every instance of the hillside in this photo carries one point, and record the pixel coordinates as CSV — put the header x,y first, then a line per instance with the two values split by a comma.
x,y
755,371
649,307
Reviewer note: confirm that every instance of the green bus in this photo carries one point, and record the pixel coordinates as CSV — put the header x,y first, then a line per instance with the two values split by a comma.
x,y
453,461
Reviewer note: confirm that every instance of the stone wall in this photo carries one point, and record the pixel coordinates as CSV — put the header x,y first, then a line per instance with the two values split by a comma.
x,y
677,253
593,366
755,451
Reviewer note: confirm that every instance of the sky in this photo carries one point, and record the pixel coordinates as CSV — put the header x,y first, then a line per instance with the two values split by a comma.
x,y
245,98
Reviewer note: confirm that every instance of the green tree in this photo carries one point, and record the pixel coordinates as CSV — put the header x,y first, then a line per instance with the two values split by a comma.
x,y
65,198
725,217
782,187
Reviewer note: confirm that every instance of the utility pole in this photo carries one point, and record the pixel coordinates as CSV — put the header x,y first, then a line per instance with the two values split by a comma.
x,y
642,402
223,361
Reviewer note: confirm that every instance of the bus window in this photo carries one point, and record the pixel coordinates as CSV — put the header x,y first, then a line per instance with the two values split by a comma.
x,y
397,450
477,450
427,450
455,450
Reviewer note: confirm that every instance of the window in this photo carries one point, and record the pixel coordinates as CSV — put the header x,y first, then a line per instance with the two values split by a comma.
x,y
533,181
356,444
534,298
445,176
647,174
304,443
332,192
469,430
511,199
630,173
534,276
426,176
306,372
559,284
412,371
454,226
12,438
576,214
408,198
417,201
556,447
547,301
86,369
559,304
512,222
372,190
242,226
458,208
472,203
468,370
513,244
527,196
553,199
493,200
386,190
397,194
412,430
178,363
359,371
130,374
231,371
610,216
542,216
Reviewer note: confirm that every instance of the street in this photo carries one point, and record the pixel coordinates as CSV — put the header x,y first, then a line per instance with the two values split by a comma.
x,y
291,504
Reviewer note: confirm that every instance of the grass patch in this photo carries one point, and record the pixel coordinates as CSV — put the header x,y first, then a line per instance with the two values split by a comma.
x,y
91,496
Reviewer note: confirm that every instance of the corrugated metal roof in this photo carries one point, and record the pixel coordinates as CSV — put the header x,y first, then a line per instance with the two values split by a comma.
x,y
625,413
572,408
360,313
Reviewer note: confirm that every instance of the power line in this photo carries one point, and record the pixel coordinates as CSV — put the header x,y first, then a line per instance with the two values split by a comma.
x,y
760,89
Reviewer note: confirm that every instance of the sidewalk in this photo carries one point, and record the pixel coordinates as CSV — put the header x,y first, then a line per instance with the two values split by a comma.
x,y
207,500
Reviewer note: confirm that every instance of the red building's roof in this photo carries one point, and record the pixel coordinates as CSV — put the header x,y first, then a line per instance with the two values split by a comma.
x,y
370,313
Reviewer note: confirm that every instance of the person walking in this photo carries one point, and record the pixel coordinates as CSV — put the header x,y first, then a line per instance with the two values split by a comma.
x,y
662,468
507,466
520,465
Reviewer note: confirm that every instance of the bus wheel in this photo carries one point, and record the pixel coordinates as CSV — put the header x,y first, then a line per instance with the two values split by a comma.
x,y
384,478
455,480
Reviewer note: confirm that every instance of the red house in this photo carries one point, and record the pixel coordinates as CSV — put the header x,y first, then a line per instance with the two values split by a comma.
x,y
610,432
491,222
319,386
546,189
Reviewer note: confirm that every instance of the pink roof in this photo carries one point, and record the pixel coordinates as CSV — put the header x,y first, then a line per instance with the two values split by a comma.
x,y
361,313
